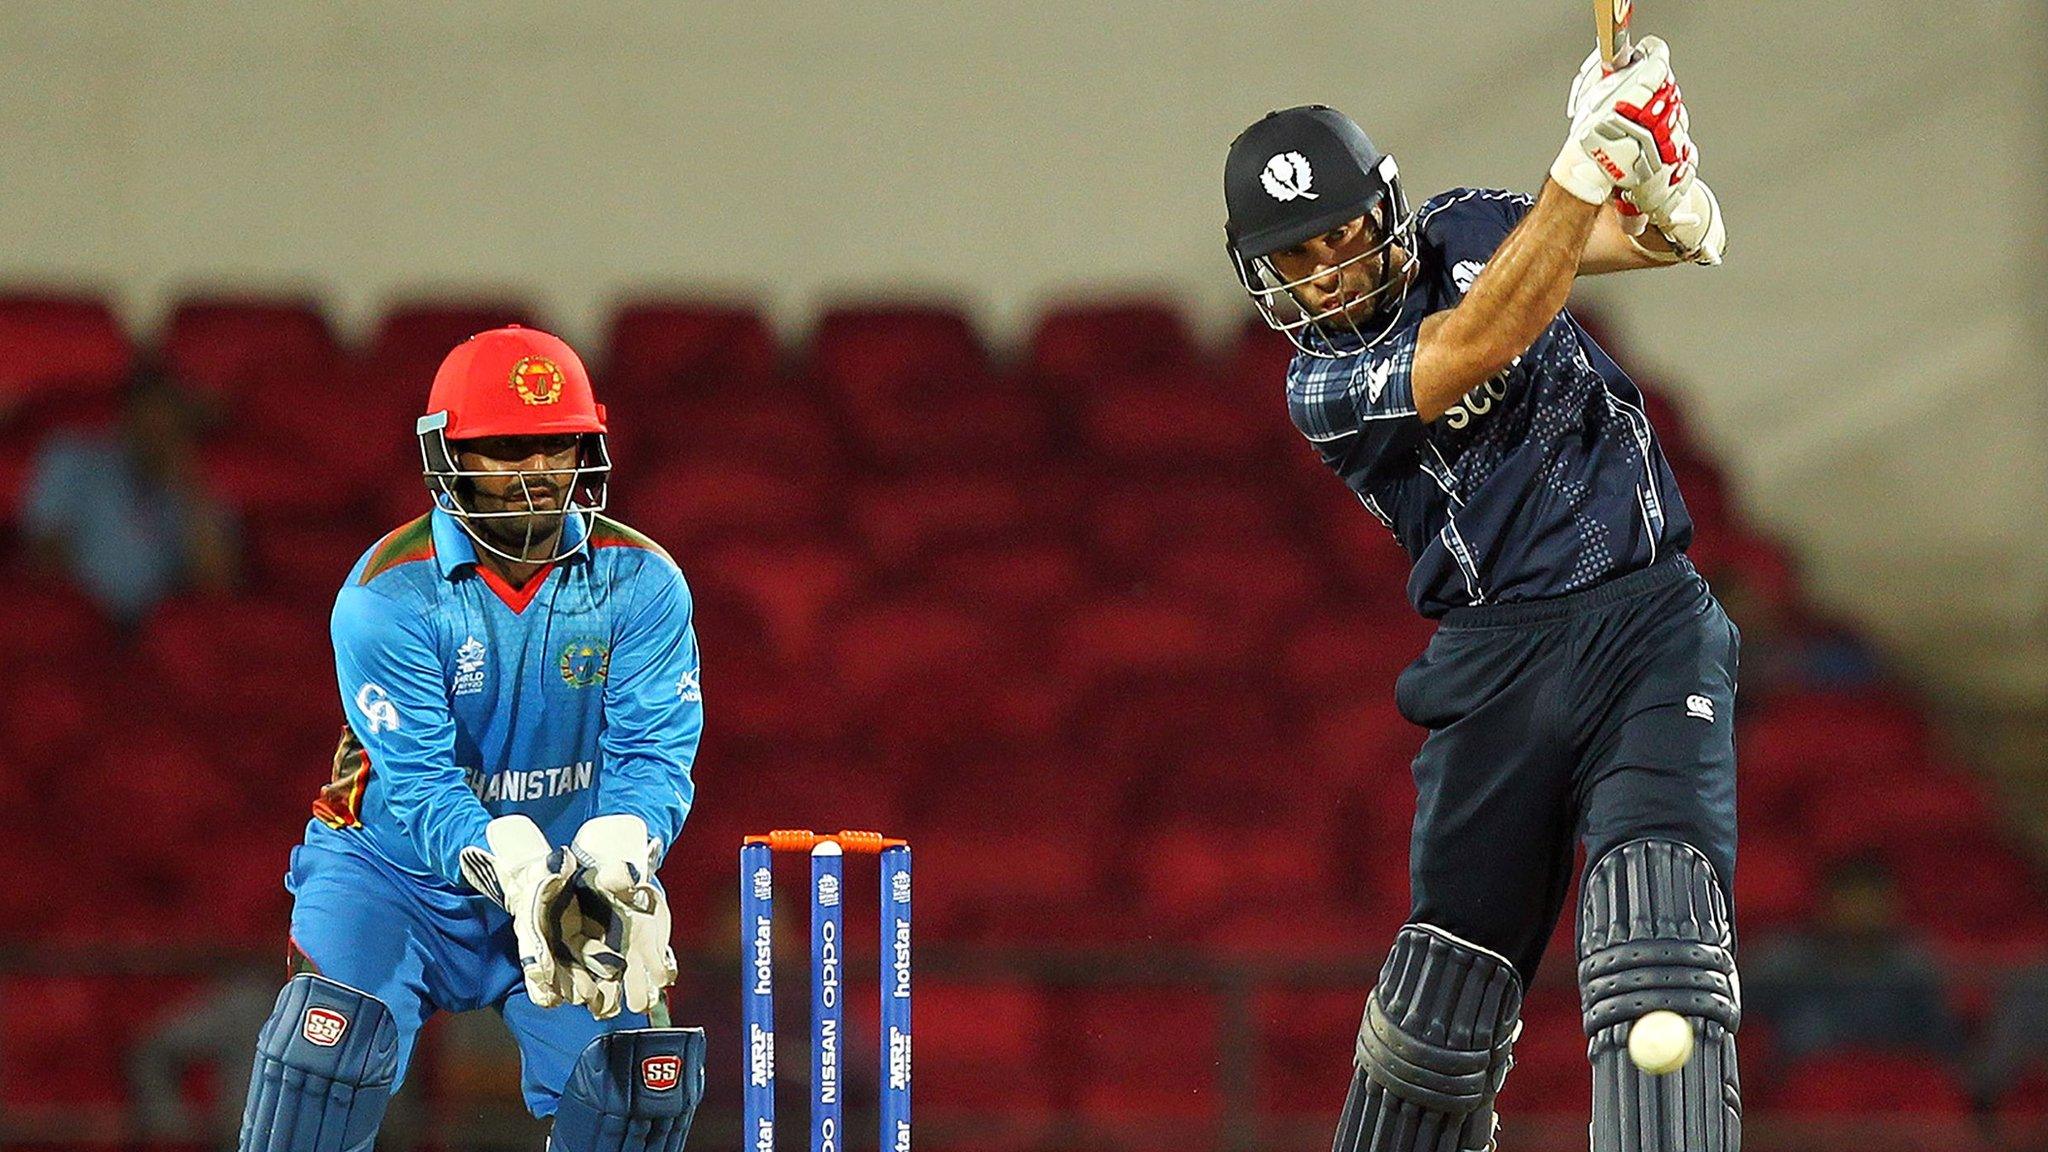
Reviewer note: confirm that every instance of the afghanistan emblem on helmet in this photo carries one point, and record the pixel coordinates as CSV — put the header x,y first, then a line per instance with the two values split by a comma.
x,y
538,380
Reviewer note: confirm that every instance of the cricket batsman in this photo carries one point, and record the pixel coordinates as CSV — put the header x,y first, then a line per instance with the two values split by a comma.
x,y
518,675
1581,681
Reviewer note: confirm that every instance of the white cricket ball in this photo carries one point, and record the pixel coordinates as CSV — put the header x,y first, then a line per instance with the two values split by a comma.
x,y
1660,1042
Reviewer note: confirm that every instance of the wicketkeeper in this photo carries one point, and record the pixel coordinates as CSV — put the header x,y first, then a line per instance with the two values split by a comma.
x,y
519,679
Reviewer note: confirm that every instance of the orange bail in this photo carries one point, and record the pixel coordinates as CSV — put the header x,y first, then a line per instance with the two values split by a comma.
x,y
803,840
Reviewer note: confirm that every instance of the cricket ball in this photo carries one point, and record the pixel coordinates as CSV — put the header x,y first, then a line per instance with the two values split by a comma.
x,y
1660,1042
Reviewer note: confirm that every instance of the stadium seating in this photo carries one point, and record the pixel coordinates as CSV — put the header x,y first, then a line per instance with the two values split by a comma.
x,y
1093,627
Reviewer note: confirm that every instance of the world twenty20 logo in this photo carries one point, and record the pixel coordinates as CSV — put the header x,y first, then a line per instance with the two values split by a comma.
x,y
586,662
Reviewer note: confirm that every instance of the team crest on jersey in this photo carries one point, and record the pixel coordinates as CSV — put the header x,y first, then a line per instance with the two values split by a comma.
x,y
586,662
538,380
469,667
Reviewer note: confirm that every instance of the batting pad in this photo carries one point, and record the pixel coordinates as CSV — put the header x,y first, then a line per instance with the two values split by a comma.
x,y
325,1063
634,1090
1654,933
1433,1048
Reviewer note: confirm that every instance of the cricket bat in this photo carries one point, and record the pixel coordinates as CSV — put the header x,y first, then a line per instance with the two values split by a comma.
x,y
1611,17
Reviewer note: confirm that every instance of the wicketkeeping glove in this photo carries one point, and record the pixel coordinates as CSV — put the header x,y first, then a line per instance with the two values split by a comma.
x,y
618,859
536,884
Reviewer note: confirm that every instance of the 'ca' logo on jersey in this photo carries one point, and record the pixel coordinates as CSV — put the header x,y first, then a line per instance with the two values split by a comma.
x,y
379,713
1287,177
585,662
687,688
538,380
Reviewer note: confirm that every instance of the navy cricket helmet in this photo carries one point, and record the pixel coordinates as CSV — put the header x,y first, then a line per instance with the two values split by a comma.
x,y
1293,176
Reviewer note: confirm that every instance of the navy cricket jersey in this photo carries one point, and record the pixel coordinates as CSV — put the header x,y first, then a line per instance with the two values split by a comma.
x,y
1544,480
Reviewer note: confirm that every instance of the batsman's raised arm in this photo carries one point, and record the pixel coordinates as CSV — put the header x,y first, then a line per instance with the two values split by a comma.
x,y
1521,291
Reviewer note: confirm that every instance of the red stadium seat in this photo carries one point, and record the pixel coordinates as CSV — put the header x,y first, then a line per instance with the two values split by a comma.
x,y
867,354
688,502
265,478
906,522
1350,541
424,331
1551,1076
2028,1096
1086,341
1775,885
766,421
985,879
1032,580
306,559
1258,357
660,345
1178,419
1302,1064
1139,635
1853,1082
1337,655
1263,893
1939,807
883,646
57,342
224,345
982,1047
1971,891
792,585
1132,522
1795,743
943,423
249,662
70,1024
1146,1053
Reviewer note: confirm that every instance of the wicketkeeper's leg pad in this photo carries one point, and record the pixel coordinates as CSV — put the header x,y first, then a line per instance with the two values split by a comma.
x,y
326,1062
1433,1048
1655,933
634,1090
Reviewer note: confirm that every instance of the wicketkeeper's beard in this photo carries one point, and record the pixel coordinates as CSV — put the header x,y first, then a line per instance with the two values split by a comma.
x,y
531,536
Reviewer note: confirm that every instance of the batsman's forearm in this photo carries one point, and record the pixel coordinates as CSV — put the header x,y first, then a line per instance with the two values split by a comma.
x,y
1522,289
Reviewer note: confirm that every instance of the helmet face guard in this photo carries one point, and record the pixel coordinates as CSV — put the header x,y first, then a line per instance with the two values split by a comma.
x,y
588,488
1335,332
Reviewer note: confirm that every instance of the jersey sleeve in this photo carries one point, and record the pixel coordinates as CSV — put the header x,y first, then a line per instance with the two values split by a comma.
x,y
396,703
1359,412
654,710
1466,226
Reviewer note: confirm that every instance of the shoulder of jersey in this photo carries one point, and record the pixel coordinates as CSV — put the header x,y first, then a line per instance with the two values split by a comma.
x,y
1445,208
407,544
607,533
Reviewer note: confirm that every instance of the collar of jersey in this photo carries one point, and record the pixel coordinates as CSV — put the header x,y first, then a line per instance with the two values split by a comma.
x,y
454,550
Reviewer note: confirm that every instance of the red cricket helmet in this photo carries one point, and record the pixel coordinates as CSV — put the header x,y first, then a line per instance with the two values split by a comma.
x,y
512,381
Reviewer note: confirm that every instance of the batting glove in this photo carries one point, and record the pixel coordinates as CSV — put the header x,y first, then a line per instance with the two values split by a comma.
x,y
1629,126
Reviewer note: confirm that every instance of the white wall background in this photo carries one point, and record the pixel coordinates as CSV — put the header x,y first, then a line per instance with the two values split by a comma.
x,y
1868,360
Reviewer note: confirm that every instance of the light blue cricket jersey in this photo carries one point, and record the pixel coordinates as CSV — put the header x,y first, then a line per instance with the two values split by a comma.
x,y
467,699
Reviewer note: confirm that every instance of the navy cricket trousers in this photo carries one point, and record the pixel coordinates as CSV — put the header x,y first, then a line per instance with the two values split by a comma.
x,y
1600,717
